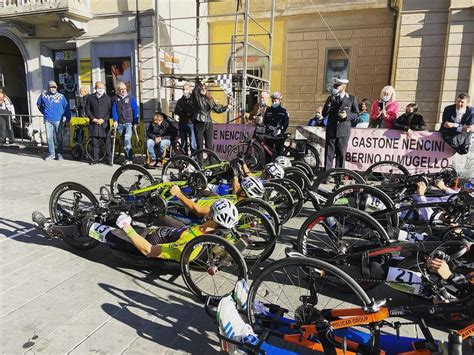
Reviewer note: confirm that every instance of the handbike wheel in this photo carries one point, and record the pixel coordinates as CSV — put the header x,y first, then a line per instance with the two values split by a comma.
x,y
300,291
178,168
280,199
205,157
385,172
129,178
258,229
211,266
263,207
253,155
295,192
305,167
338,232
69,203
90,150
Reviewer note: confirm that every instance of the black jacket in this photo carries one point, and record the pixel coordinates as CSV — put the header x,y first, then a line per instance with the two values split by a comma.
x,y
81,105
336,128
203,106
185,110
163,130
98,108
276,117
415,122
449,115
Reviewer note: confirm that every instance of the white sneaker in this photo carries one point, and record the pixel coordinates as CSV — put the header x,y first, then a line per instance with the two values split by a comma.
x,y
241,294
232,326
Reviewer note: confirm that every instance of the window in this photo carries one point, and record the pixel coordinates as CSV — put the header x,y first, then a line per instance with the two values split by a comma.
x,y
337,65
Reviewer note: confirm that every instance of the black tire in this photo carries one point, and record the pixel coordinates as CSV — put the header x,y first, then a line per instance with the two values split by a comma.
x,y
298,176
295,192
357,196
79,209
90,150
77,152
253,155
139,178
178,168
205,157
280,199
296,284
118,152
335,179
263,207
348,225
206,259
310,156
303,166
260,232
395,174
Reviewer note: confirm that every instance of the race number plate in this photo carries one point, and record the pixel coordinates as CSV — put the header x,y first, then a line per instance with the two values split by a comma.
x,y
98,231
404,280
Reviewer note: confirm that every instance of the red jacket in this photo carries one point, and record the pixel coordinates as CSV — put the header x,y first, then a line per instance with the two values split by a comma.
x,y
391,109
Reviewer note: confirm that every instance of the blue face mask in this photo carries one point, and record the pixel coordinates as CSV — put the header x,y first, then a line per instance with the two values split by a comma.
x,y
275,105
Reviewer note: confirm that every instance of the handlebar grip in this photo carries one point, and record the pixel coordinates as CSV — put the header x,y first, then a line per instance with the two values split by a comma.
x,y
454,344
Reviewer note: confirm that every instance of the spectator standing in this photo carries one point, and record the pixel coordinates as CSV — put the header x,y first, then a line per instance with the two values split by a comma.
x,y
276,120
203,106
98,109
160,132
384,111
341,109
82,101
54,107
7,111
185,110
260,107
364,118
458,124
410,121
126,114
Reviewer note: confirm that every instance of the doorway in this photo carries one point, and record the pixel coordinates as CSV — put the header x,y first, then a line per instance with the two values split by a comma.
x,y
116,70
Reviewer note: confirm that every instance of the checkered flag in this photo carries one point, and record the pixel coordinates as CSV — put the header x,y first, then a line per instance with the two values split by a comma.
x,y
225,83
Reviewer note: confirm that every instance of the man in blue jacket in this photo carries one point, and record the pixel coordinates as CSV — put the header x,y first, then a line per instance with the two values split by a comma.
x,y
54,107
125,113
458,124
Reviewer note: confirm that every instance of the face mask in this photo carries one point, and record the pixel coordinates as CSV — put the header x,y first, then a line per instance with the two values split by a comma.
x,y
385,98
186,94
53,90
334,92
275,104
318,116
100,92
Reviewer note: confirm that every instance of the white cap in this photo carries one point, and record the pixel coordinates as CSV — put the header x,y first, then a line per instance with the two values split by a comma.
x,y
340,81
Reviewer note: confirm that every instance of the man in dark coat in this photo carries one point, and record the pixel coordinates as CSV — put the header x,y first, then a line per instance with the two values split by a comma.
x,y
185,110
341,108
98,109
458,124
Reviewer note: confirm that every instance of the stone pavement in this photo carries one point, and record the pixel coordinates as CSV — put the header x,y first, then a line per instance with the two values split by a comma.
x,y
55,299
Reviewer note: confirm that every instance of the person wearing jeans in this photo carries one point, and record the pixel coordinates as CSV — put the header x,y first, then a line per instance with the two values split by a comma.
x,y
54,107
160,132
125,114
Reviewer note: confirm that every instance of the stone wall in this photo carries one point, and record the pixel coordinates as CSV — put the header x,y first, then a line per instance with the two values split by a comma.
x,y
368,37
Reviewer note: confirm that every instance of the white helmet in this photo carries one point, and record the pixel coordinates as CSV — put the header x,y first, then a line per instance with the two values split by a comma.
x,y
252,186
275,171
283,161
224,213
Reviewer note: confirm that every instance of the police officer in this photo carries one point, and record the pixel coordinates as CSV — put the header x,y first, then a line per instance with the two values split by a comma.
x,y
341,108
276,121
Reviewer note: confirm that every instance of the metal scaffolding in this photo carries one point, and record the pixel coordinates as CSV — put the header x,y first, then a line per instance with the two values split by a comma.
x,y
243,83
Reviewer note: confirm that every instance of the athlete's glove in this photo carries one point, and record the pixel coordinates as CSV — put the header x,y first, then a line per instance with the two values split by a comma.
x,y
123,220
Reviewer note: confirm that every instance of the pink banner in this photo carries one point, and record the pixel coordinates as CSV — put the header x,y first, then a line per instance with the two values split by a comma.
x,y
227,135
419,152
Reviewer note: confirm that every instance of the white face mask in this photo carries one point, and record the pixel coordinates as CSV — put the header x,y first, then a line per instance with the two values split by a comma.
x,y
335,92
385,98
53,90
186,94
100,92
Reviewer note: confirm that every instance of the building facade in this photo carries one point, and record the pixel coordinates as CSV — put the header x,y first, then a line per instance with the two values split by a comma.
x,y
79,42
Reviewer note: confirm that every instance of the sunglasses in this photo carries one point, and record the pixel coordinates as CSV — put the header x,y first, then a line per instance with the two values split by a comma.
x,y
53,87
